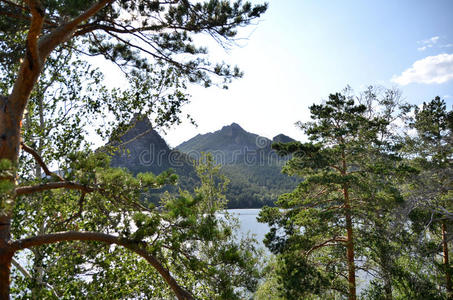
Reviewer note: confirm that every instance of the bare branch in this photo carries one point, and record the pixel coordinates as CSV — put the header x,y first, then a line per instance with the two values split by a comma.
x,y
20,268
93,27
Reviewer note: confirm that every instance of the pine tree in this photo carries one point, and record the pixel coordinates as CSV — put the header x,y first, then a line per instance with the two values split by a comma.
x,y
349,170
431,151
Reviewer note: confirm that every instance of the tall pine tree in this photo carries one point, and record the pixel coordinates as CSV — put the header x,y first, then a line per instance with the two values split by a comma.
x,y
321,230
431,151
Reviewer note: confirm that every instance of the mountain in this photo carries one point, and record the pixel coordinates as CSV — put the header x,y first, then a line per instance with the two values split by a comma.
x,y
229,138
229,145
248,160
281,138
142,149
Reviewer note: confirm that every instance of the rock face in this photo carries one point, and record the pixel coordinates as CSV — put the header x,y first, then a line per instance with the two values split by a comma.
x,y
142,149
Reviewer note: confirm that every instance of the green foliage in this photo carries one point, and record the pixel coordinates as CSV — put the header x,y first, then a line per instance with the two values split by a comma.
x,y
350,169
7,184
210,190
202,250
153,43
430,192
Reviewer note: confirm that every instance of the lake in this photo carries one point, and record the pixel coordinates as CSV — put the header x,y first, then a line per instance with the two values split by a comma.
x,y
249,224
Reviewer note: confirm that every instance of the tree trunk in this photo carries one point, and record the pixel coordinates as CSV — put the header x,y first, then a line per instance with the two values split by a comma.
x,y
5,269
350,247
9,152
350,235
6,255
388,287
11,113
446,262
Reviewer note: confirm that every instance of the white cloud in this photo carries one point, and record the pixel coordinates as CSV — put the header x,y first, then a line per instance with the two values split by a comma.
x,y
423,48
429,43
432,40
446,46
431,69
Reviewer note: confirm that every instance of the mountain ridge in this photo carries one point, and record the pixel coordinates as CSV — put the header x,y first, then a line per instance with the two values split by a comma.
x,y
246,158
258,141
253,167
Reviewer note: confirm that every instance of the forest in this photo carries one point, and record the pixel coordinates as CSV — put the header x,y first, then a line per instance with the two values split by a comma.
x,y
369,214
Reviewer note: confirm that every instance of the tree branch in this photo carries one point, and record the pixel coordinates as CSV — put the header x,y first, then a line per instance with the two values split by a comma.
x,y
37,21
11,15
28,275
40,161
326,244
25,190
21,269
93,27
21,16
76,215
65,31
333,207
30,67
137,247
14,4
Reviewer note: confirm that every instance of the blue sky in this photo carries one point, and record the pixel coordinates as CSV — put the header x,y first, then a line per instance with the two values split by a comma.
x,y
303,50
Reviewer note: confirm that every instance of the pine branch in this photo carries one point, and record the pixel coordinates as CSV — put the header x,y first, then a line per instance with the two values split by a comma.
x,y
25,190
327,243
65,31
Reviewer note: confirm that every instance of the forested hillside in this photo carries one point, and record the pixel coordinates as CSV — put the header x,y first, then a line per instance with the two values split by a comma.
x,y
246,159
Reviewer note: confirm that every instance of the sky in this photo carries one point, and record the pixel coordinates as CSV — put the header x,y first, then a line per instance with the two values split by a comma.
x,y
302,50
